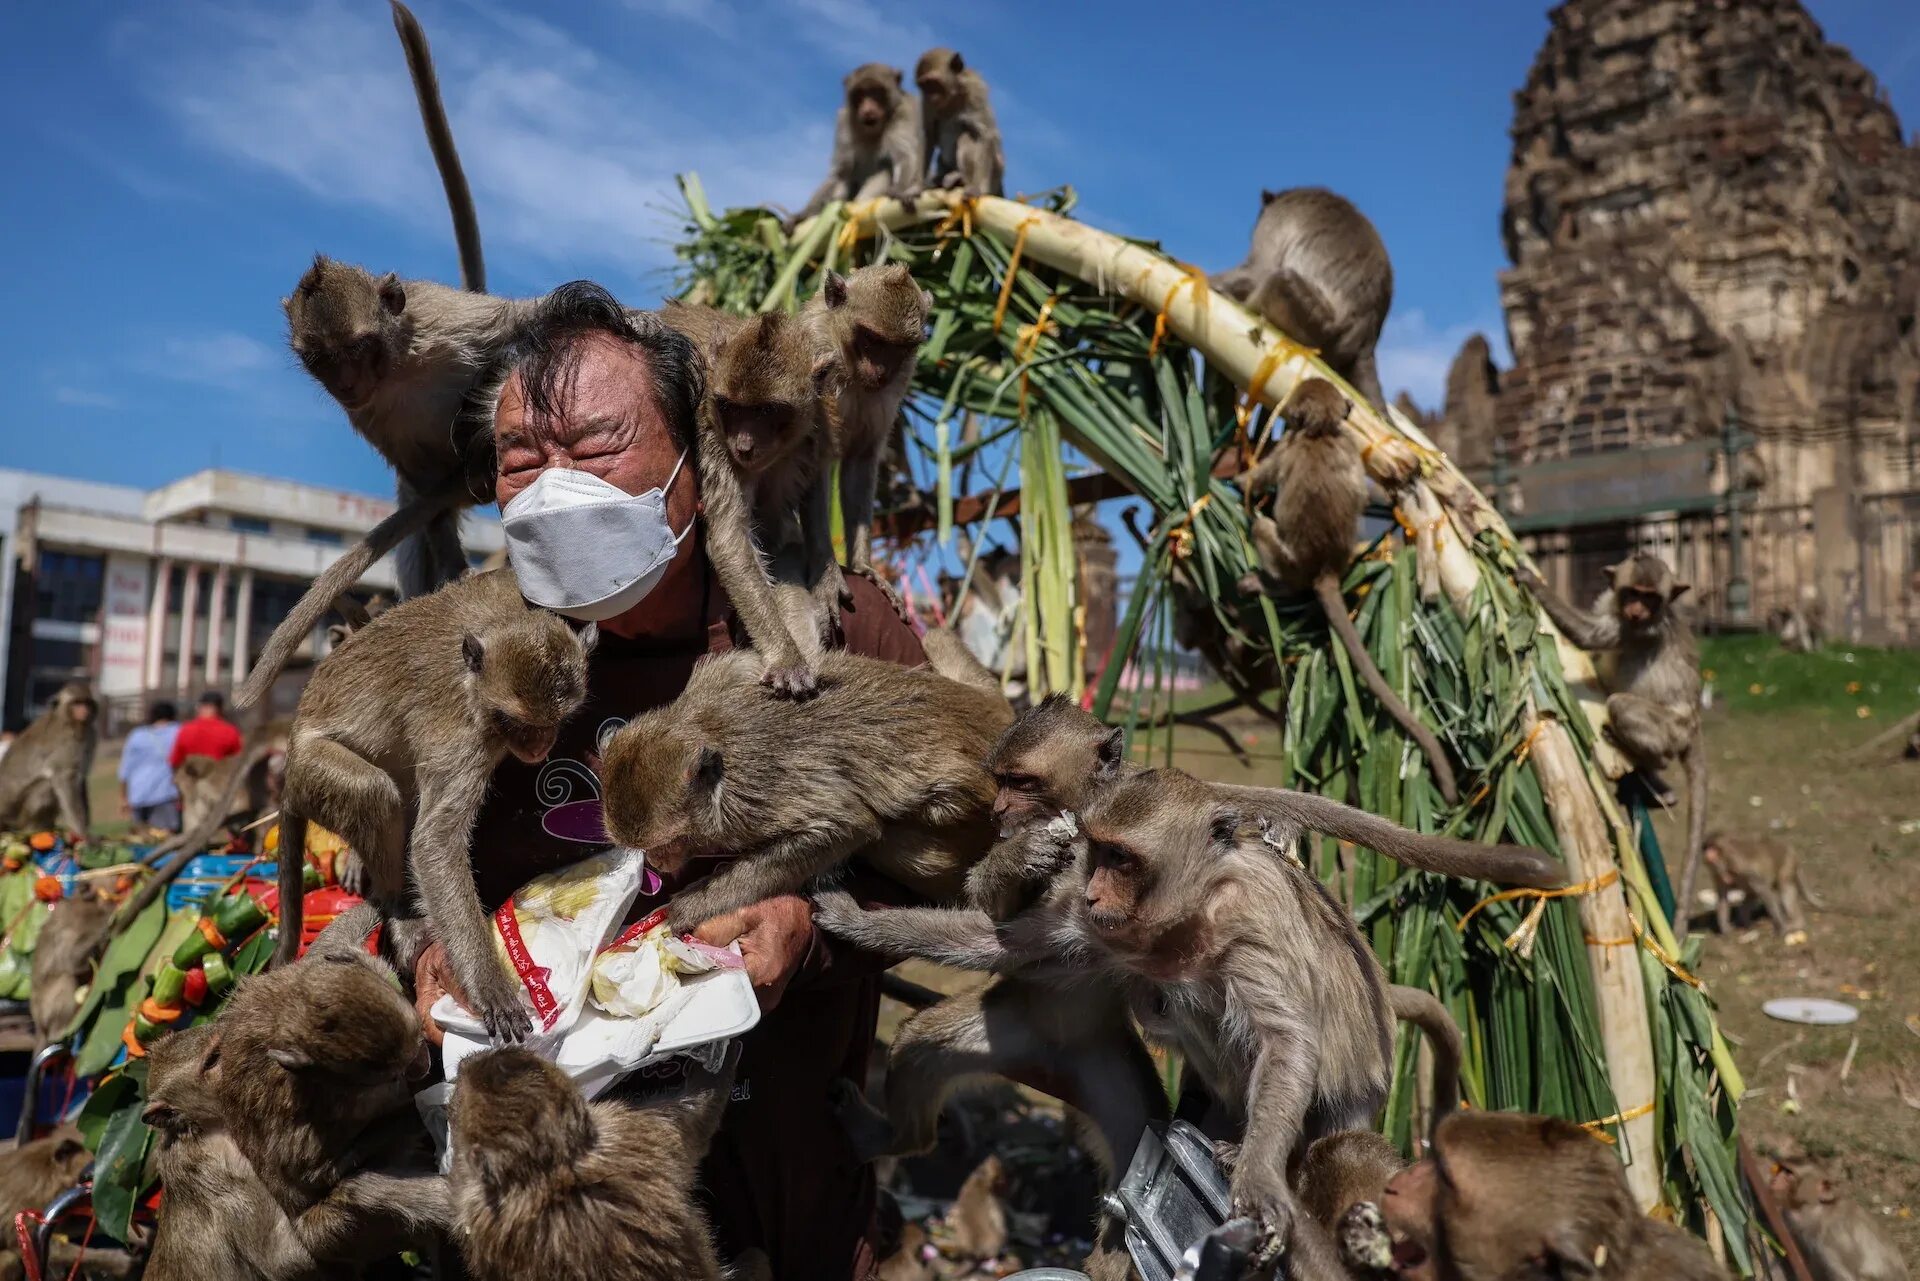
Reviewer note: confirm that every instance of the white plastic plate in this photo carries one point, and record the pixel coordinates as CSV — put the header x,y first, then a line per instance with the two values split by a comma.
x,y
1817,1010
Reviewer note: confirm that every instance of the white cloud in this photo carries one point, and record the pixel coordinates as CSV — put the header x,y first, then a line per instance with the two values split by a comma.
x,y
861,31
571,159
83,398
1414,355
711,14
227,360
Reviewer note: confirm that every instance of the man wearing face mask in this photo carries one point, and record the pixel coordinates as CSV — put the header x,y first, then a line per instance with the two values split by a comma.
x,y
600,502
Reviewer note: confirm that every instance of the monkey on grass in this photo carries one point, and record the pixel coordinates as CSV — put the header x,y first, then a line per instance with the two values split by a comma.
x,y
1307,543
394,743
1318,269
1644,638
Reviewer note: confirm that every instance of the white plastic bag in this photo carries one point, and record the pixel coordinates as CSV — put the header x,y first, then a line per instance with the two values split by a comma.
x,y
548,934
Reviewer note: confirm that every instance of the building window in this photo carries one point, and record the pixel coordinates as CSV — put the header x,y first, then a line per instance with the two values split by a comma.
x,y
248,525
326,537
69,587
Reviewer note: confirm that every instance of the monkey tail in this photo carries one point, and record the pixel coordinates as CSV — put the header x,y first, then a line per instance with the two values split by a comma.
x,y
1800,883
1424,1011
433,114
948,655
1694,759
293,886
409,519
1327,587
1500,864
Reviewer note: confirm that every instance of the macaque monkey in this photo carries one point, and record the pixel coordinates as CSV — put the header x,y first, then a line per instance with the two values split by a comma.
x,y
395,741
793,790
962,137
1506,1195
907,1262
871,323
1837,1236
878,149
1318,270
1343,1170
31,1176
1648,661
1307,544
43,776
763,474
978,1220
546,1184
1238,956
63,958
220,1219
1762,869
215,793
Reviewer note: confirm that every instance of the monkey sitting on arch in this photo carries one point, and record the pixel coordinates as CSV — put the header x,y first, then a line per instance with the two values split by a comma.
x,y
962,136
878,147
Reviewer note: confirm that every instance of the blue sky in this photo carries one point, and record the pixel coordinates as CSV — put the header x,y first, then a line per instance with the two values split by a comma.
x,y
175,166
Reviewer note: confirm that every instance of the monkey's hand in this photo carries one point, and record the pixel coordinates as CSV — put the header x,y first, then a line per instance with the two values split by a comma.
x,y
495,998
795,679
838,912
1365,1246
830,596
1271,1207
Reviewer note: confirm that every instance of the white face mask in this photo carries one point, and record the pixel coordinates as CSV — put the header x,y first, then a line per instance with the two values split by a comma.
x,y
583,547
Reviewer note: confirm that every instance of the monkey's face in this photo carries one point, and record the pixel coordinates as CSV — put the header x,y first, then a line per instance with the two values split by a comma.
x,y
527,679
755,435
345,326
1409,1206
661,782
937,75
870,106
876,358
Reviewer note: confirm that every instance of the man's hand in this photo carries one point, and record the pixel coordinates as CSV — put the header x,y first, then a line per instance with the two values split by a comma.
x,y
432,979
774,936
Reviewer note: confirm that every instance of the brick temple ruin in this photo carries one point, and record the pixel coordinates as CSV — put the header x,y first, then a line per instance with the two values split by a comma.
x,y
1713,223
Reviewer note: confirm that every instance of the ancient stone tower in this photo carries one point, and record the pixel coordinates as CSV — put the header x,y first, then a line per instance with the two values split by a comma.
x,y
1709,204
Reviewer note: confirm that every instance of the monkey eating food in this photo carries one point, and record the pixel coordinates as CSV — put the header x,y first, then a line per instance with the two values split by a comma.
x,y
394,743
1318,269
43,776
1307,543
762,473
878,149
546,1184
962,136
795,789
871,323
1762,869
1838,1236
1653,672
1509,1195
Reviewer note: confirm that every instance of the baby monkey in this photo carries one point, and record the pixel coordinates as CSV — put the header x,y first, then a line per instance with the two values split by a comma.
x,y
1307,543
763,479
395,741
792,790
1762,869
546,1184
1508,1195
871,324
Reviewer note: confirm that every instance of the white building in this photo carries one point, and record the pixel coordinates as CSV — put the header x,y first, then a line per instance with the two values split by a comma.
x,y
163,593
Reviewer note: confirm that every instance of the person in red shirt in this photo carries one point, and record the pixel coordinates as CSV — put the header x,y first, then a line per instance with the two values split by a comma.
x,y
207,734
601,399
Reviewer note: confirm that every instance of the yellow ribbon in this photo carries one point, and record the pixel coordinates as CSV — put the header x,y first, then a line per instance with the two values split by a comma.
x,y
1191,277
1027,340
1599,882
1180,537
1631,1114
1243,411
863,212
1013,267
960,216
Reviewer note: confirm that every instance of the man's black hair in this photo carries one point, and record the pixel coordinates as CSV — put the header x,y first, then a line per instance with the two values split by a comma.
x,y
215,699
546,353
161,711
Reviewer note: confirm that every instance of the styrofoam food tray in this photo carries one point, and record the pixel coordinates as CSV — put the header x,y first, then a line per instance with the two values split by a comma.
x,y
722,1006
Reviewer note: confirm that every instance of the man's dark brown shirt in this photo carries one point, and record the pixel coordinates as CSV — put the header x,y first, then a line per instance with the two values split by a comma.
x,y
781,1175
